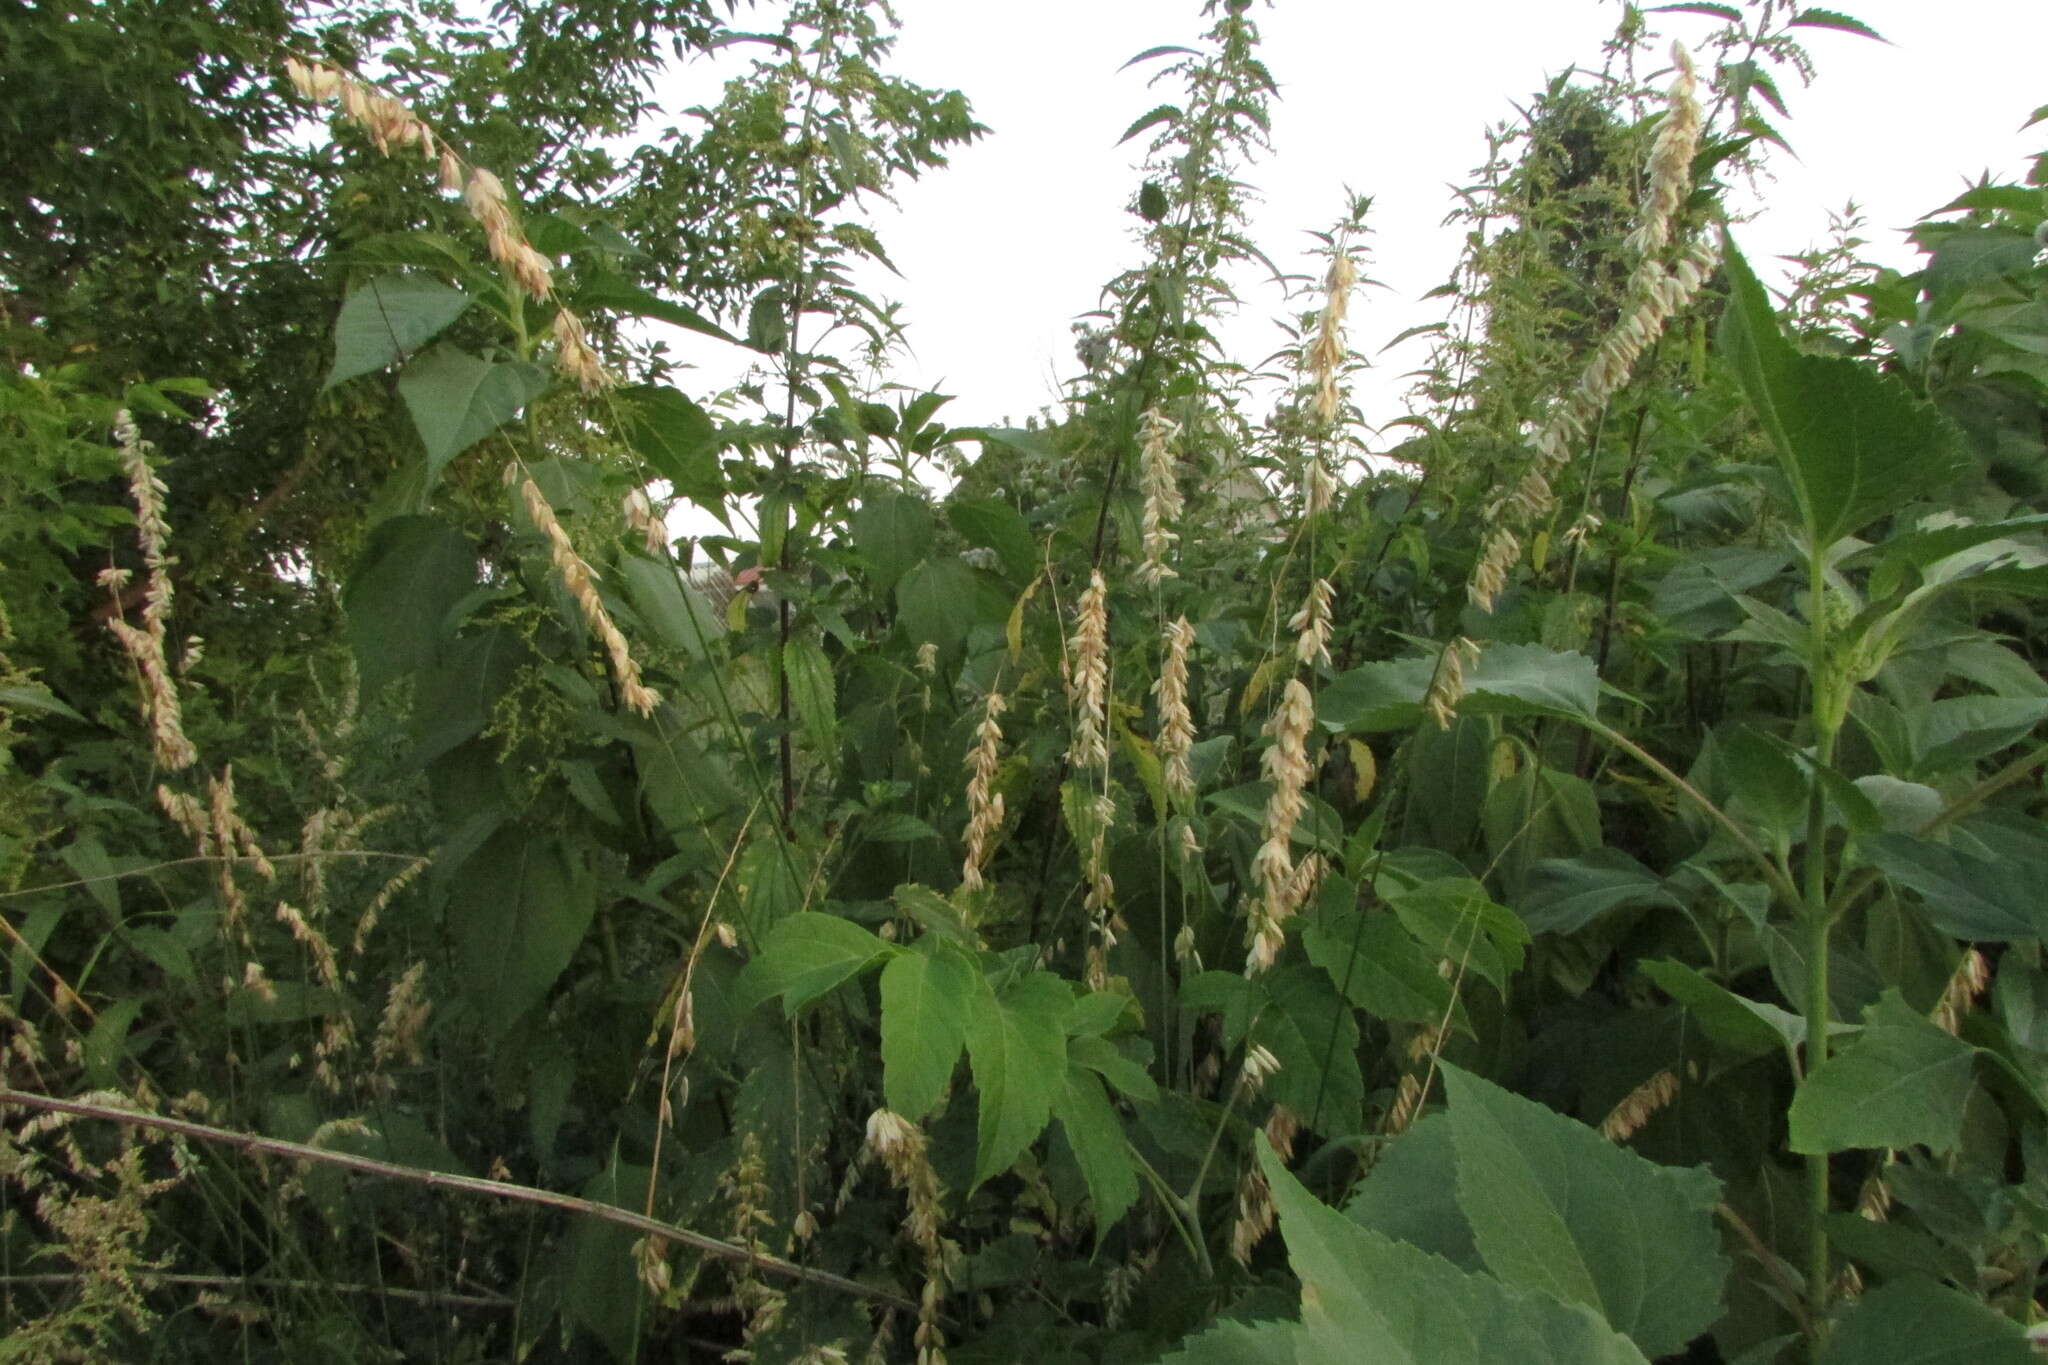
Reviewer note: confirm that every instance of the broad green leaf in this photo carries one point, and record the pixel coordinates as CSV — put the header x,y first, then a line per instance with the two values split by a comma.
x,y
675,614
768,320
1955,732
1314,1034
1567,894
1538,812
679,440
896,827
1902,1082
934,913
1097,1136
1366,1300
1456,921
34,697
1969,256
1902,807
1377,696
1855,445
1918,1322
807,955
106,1044
1766,782
1379,966
773,889
1745,1027
610,294
399,594
1521,680
1725,12
1097,1013
1558,1209
1165,113
1529,680
926,994
1231,1342
385,319
940,600
999,526
1410,1194
1099,1055
457,399
1017,1044
517,914
892,532
1965,894
1459,761
811,690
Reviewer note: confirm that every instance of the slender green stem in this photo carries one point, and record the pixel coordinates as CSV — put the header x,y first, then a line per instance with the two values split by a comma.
x,y
1773,874
1817,920
1182,1214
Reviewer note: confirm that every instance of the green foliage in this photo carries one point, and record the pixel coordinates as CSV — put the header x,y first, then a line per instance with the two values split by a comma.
x,y
1605,955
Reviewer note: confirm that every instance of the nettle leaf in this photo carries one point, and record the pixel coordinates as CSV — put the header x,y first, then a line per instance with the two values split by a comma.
x,y
399,594
892,532
517,913
457,399
811,690
386,319
1017,1044
808,955
1827,18
1165,113
1918,1322
1558,1209
1366,1298
926,994
1902,1082
32,697
940,600
1854,444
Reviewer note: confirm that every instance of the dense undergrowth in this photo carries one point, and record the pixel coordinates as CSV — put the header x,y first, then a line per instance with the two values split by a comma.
x,y
1214,884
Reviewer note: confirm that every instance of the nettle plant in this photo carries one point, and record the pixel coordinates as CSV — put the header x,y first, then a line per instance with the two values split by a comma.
x,y
1574,880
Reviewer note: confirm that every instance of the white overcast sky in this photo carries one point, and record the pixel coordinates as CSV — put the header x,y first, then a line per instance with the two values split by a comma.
x,y
1004,248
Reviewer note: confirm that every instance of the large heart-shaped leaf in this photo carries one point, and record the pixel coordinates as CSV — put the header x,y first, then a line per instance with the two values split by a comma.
x,y
517,913
386,319
400,592
457,399
1556,1208
1854,444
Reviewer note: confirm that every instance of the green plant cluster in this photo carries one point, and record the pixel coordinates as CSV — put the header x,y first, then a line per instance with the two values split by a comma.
x,y
1185,879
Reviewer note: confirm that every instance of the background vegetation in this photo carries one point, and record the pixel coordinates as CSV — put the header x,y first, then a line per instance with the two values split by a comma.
x,y
1562,887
